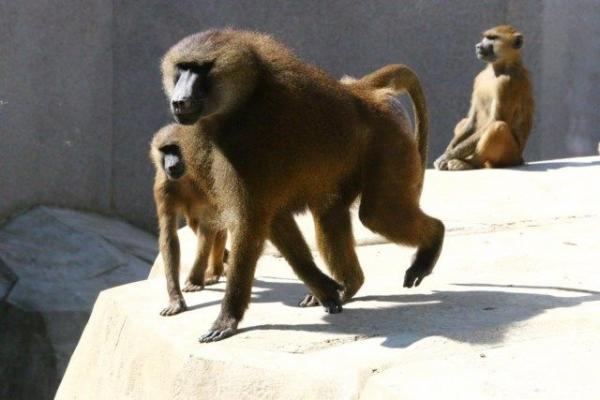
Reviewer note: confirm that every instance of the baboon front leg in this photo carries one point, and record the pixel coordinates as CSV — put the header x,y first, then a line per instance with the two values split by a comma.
x,y
169,248
205,242
217,259
288,239
247,240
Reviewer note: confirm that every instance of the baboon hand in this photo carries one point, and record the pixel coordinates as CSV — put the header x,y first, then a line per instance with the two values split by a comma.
x,y
221,329
174,307
332,306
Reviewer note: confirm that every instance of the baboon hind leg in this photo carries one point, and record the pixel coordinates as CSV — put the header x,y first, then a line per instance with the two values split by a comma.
x,y
217,259
389,206
408,225
498,147
333,228
205,241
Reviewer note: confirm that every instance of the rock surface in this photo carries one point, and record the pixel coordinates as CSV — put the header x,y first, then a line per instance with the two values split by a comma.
x,y
510,312
56,262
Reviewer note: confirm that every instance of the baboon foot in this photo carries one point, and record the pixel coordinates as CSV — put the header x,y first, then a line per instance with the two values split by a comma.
x,y
190,286
221,329
211,279
458,165
308,301
331,303
414,276
441,163
174,307
422,266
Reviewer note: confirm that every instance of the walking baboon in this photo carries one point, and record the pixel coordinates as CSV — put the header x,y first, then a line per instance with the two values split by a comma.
x,y
275,136
187,195
177,192
495,131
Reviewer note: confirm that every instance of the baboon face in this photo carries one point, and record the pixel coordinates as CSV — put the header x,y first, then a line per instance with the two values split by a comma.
x,y
499,43
172,161
212,72
191,88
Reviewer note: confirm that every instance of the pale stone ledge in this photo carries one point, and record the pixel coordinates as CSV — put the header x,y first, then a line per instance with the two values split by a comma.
x,y
510,312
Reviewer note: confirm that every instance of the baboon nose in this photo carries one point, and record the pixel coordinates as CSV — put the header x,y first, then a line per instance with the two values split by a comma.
x,y
175,171
181,106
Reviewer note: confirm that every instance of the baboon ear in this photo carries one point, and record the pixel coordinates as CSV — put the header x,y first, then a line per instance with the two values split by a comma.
x,y
518,43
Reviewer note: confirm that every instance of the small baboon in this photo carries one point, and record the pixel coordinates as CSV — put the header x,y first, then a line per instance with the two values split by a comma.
x,y
274,136
178,193
496,129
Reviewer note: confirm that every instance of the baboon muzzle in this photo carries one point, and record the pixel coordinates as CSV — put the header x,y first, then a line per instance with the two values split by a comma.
x,y
186,102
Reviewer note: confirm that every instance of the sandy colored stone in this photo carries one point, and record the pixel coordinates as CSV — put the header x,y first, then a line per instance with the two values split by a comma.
x,y
510,312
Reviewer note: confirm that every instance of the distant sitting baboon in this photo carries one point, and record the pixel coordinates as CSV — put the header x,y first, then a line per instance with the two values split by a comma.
x,y
275,136
496,129
177,192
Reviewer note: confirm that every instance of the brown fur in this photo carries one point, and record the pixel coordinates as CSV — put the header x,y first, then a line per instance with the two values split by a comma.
x,y
495,132
383,85
277,136
185,196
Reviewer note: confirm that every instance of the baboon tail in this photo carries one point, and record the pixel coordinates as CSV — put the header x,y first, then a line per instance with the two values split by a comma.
x,y
400,78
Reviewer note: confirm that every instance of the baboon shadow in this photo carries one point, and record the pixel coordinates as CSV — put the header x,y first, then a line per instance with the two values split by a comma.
x,y
471,316
284,291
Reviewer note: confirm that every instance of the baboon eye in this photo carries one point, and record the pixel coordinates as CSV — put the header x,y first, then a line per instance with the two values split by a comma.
x,y
169,149
200,69
491,37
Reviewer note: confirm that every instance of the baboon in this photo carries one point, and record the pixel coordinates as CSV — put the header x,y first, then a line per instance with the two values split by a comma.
x,y
186,195
176,192
496,129
275,136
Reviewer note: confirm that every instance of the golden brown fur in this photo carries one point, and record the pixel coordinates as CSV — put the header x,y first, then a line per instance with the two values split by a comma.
x,y
276,136
383,85
184,196
496,129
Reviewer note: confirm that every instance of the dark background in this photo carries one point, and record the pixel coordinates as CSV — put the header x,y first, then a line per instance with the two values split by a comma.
x,y
80,91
